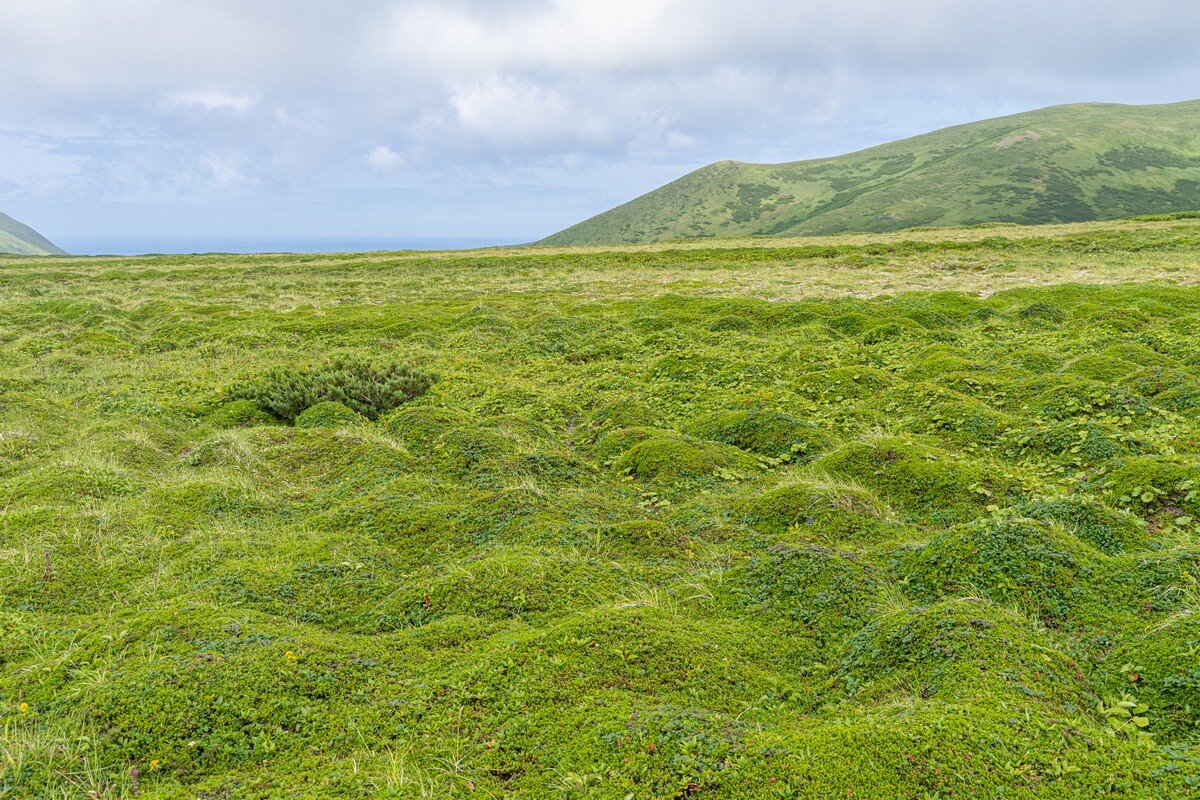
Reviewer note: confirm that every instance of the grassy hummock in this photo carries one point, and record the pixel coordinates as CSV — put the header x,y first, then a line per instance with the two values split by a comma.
x,y
912,515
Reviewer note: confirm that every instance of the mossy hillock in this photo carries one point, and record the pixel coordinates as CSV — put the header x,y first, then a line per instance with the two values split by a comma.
x,y
901,516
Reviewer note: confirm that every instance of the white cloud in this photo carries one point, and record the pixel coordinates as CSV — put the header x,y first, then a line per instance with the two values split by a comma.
x,y
132,98
212,101
384,158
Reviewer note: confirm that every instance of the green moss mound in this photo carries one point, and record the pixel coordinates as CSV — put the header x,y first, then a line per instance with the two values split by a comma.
x,y
1042,314
1075,441
828,593
1086,398
844,383
239,414
328,414
645,537
1162,666
955,651
939,360
767,433
929,409
1108,530
1159,489
420,426
925,482
822,510
892,329
1103,367
668,459
626,412
1008,560
616,443
1035,359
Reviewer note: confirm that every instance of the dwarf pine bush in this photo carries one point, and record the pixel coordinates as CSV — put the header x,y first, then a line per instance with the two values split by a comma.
x,y
363,386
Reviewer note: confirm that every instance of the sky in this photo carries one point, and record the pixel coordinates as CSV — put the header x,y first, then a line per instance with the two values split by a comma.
x,y
181,125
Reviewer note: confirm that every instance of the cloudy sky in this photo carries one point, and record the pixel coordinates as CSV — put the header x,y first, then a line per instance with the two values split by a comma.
x,y
175,124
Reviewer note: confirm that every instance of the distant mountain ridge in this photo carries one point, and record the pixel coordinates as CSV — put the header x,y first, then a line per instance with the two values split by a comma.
x,y
19,238
1071,163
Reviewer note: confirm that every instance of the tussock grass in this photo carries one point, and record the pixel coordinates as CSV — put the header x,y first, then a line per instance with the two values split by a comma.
x,y
812,518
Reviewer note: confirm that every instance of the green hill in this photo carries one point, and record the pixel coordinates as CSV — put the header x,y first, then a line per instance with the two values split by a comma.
x,y
1069,163
19,238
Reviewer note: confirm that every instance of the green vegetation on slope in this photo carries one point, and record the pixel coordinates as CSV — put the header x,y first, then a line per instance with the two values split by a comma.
x,y
728,521
20,239
1061,164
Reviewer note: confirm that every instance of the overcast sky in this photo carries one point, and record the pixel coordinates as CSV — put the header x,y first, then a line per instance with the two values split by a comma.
x,y
201,121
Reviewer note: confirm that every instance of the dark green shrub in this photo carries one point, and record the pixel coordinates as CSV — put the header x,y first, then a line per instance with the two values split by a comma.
x,y
362,386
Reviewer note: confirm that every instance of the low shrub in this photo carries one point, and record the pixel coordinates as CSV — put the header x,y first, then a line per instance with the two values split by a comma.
x,y
363,386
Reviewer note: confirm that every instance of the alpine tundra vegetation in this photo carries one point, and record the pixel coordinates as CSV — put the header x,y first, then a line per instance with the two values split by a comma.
x,y
908,515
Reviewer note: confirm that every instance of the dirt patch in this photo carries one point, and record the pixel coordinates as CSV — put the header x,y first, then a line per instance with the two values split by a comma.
x,y
1016,138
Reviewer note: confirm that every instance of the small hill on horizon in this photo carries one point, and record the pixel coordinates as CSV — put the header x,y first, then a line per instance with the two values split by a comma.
x,y
19,239
1071,163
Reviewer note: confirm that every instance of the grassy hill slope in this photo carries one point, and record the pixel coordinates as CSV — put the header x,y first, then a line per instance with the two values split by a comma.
x,y
889,516
19,238
1062,164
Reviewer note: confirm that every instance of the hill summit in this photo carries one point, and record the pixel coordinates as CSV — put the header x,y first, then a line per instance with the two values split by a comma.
x,y
1071,163
19,238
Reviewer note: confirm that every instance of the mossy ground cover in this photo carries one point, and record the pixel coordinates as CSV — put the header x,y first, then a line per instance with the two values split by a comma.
x,y
733,521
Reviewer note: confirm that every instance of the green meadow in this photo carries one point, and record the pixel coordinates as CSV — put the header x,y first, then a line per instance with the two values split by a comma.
x,y
909,515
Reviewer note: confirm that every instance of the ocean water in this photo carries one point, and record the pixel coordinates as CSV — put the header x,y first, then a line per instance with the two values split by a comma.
x,y
92,246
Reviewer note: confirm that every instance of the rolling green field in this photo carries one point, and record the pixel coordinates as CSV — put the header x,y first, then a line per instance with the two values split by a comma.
x,y
1073,163
893,516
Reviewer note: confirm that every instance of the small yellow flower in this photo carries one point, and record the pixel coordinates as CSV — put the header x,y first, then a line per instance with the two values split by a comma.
x,y
154,762
289,655
23,708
